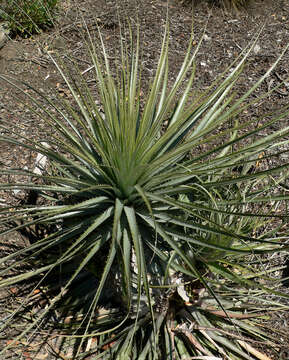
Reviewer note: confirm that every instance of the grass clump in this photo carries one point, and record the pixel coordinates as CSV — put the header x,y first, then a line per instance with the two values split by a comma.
x,y
154,223
26,17
227,4
236,4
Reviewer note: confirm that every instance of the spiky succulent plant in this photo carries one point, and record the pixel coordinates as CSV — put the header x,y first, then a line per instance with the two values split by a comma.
x,y
153,211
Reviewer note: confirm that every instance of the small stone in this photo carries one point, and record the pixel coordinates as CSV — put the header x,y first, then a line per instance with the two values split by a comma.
x,y
16,191
207,38
257,49
59,43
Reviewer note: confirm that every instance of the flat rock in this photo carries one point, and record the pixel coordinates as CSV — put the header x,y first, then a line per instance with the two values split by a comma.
x,y
4,33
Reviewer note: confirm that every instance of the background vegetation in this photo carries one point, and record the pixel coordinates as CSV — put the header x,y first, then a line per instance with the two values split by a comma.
x,y
26,17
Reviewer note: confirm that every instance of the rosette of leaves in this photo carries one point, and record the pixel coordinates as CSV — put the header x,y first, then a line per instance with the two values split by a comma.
x,y
26,17
152,213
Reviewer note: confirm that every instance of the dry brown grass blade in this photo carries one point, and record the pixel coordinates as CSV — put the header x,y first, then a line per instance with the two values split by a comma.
x,y
232,314
191,338
253,351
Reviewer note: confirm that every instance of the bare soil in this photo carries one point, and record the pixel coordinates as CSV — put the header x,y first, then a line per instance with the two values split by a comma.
x,y
226,34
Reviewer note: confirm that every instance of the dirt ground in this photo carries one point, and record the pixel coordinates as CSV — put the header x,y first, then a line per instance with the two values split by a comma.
x,y
226,34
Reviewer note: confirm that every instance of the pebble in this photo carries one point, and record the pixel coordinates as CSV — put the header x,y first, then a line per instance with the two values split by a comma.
x,y
206,37
257,49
